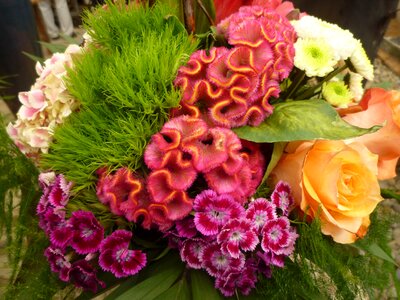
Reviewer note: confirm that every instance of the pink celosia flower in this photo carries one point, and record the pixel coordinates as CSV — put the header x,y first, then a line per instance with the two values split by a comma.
x,y
116,257
87,232
190,252
252,25
236,235
278,237
125,194
83,275
217,263
58,262
282,198
225,8
244,281
212,211
260,211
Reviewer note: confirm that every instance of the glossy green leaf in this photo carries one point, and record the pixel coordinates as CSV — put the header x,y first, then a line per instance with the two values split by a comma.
x,y
276,155
154,286
302,120
203,286
179,291
376,250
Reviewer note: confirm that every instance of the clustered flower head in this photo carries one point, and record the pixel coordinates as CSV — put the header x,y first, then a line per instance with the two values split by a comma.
x,y
234,244
45,106
233,86
184,150
76,241
322,47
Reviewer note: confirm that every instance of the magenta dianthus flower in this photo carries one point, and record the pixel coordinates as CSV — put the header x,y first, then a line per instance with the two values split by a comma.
x,y
190,252
212,211
83,275
87,232
58,262
278,236
244,280
282,198
260,211
116,257
217,263
236,235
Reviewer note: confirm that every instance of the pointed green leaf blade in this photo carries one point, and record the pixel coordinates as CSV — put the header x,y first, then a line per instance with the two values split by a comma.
x,y
376,250
302,120
179,291
203,287
153,286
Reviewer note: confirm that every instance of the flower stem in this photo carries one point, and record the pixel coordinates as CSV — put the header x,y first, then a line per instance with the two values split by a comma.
x,y
308,93
295,84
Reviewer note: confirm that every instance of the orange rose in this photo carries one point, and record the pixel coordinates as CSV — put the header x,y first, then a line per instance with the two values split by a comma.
x,y
335,181
380,106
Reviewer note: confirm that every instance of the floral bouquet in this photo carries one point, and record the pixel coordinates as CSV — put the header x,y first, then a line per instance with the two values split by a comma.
x,y
200,152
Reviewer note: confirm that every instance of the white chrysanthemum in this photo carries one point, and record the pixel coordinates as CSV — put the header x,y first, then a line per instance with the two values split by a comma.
x,y
355,85
314,57
337,93
308,27
361,62
341,41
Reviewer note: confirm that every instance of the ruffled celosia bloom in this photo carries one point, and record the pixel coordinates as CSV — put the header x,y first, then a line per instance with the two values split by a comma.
x,y
282,197
116,257
83,275
260,211
380,107
313,56
184,149
217,263
126,195
224,8
337,93
233,86
334,181
87,232
237,235
278,237
45,106
213,211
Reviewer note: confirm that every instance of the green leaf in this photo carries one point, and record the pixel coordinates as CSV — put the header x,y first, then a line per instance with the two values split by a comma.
x,y
179,291
302,120
203,287
376,250
390,194
154,286
276,155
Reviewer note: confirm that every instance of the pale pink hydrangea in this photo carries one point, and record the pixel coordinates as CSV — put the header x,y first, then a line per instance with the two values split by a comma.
x,y
45,106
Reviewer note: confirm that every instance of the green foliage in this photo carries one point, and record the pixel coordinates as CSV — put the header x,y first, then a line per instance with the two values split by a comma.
x,y
19,193
302,120
323,269
124,83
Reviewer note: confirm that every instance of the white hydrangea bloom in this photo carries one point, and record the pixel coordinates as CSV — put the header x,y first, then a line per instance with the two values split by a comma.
x,y
355,85
47,104
314,56
361,62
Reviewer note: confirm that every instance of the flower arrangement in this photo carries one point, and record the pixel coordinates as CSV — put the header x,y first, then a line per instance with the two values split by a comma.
x,y
239,160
